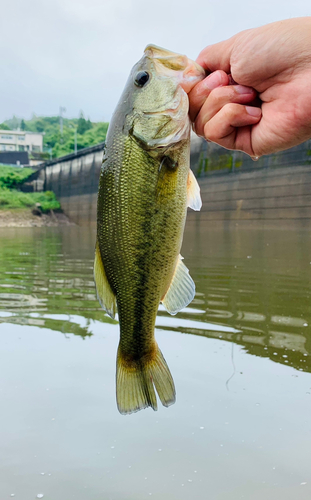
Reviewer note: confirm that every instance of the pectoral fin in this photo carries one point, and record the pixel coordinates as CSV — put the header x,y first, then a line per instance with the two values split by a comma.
x,y
181,291
105,295
193,192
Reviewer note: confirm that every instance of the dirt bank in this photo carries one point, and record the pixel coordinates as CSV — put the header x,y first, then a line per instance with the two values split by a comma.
x,y
25,218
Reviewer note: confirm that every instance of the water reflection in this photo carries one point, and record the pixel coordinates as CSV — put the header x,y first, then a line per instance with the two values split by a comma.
x,y
253,286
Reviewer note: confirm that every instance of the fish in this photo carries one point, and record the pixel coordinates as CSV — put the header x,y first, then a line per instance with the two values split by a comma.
x,y
145,187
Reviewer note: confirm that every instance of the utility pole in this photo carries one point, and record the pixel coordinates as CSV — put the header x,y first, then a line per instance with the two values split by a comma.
x,y
76,146
75,129
61,111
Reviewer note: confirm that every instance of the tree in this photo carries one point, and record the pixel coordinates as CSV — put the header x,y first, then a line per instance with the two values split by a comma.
x,y
3,126
13,123
89,124
83,125
23,124
39,124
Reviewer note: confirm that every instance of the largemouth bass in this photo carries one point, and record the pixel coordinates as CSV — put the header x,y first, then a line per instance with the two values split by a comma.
x,y
144,189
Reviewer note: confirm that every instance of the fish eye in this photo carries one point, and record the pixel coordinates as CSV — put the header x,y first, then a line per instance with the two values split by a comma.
x,y
141,79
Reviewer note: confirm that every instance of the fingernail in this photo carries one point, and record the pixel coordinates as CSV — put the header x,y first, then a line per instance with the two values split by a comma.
x,y
253,111
241,89
213,81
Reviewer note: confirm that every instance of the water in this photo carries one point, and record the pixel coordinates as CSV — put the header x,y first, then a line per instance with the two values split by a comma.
x,y
239,355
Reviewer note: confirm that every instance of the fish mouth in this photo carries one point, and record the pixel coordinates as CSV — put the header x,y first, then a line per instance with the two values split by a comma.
x,y
165,124
187,72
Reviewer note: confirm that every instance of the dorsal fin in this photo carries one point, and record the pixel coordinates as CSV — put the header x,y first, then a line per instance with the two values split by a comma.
x,y
193,192
181,291
105,295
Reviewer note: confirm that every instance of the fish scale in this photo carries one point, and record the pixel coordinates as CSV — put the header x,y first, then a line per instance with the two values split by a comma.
x,y
142,202
138,267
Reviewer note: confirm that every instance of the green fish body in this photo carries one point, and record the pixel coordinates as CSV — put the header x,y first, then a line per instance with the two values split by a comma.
x,y
144,189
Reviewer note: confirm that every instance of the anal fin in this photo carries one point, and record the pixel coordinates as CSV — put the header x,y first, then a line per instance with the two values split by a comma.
x,y
181,291
105,295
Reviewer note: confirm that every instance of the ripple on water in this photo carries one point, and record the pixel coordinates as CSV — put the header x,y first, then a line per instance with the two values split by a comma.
x,y
262,303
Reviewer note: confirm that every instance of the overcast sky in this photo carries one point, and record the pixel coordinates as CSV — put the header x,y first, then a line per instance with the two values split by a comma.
x,y
78,53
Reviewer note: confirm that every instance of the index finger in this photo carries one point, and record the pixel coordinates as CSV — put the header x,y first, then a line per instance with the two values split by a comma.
x,y
217,56
201,91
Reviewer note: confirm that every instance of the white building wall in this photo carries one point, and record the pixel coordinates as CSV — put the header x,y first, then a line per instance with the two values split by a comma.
x,y
14,140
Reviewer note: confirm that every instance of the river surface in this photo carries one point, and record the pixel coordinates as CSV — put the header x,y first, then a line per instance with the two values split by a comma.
x,y
240,355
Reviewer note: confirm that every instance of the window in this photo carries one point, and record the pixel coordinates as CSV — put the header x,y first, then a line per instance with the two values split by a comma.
x,y
7,137
21,148
21,137
36,148
2,147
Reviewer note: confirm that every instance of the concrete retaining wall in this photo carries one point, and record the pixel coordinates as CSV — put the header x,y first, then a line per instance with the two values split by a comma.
x,y
267,191
268,194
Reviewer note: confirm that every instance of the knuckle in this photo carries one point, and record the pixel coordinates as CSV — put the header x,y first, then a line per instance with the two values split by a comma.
x,y
223,92
216,94
210,133
230,111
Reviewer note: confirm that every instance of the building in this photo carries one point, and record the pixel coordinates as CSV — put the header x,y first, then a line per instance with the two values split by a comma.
x,y
17,140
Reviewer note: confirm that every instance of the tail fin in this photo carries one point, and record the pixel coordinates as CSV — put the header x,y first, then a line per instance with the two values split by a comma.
x,y
136,381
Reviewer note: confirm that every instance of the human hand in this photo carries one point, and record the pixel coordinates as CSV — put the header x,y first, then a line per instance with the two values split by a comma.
x,y
273,61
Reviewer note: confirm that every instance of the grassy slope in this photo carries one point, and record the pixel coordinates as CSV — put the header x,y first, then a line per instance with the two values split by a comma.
x,y
11,198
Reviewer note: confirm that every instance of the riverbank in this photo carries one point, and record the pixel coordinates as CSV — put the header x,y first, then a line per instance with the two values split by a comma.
x,y
25,218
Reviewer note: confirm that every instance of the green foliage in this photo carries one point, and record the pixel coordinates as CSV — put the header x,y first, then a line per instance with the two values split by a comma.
x,y
4,126
220,162
83,125
13,123
39,125
11,177
210,162
88,133
23,124
91,137
202,165
12,199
